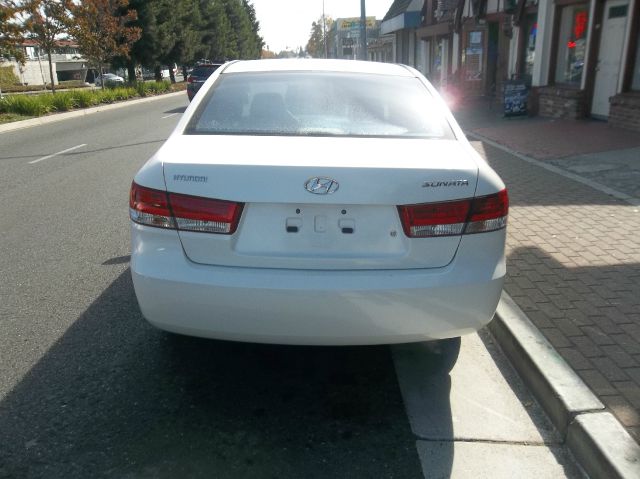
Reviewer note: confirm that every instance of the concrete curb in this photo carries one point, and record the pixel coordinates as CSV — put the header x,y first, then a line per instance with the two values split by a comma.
x,y
597,440
43,120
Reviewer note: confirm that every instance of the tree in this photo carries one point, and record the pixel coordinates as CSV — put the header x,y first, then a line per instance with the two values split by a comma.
x,y
101,29
45,21
11,31
316,45
185,35
217,41
257,42
183,31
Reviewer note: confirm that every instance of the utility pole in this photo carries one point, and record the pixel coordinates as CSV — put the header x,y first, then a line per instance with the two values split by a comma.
x,y
363,31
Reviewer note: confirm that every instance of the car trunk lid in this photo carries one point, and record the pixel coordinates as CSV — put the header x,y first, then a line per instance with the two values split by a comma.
x,y
286,224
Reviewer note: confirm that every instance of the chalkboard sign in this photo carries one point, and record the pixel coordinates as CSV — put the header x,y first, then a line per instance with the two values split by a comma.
x,y
516,94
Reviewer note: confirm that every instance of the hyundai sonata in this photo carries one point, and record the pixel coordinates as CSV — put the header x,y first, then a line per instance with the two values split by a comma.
x,y
318,202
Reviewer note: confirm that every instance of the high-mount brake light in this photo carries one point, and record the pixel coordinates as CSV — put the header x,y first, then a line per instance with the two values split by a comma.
x,y
158,208
452,218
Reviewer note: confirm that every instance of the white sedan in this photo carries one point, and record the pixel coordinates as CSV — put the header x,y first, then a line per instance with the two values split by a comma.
x,y
318,202
109,79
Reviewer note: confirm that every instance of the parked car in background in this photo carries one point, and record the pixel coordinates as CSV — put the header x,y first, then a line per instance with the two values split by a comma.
x,y
109,79
198,76
149,73
322,202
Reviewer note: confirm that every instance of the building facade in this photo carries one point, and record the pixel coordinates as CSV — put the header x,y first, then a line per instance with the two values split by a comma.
x,y
68,64
579,58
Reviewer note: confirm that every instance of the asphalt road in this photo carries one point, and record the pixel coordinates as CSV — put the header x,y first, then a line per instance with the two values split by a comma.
x,y
88,389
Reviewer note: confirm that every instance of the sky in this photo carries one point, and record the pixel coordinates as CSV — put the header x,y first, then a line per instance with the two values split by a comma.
x,y
286,24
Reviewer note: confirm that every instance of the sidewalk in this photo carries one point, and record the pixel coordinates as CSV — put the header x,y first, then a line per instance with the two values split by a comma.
x,y
573,251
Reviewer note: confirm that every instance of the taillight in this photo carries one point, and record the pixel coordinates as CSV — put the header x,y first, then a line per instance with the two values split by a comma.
x,y
449,218
193,213
189,79
488,213
150,207
183,212
434,219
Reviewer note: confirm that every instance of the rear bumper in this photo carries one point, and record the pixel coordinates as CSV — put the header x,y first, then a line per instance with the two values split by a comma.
x,y
316,307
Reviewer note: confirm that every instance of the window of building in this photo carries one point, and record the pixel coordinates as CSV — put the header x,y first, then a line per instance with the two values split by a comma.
x,y
472,56
530,29
572,44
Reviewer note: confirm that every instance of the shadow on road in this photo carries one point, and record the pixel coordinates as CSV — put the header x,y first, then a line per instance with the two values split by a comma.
x,y
118,398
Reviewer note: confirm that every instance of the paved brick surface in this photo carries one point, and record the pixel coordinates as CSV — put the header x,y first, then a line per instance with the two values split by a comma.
x,y
574,267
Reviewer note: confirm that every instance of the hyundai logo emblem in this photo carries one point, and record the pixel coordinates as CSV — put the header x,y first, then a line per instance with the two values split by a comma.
x,y
321,186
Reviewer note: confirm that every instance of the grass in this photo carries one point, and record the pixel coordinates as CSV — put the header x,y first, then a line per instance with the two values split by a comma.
x,y
63,101
21,106
11,117
28,105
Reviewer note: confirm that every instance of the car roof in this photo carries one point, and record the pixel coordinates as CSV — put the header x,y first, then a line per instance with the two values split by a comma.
x,y
307,64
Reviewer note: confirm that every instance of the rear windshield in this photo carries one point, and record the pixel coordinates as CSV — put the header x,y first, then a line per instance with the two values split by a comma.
x,y
204,71
319,104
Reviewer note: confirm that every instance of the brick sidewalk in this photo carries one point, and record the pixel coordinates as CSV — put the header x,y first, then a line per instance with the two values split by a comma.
x,y
573,258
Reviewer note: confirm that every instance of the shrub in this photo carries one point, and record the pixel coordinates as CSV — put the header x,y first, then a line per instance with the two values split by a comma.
x,y
85,98
106,96
7,77
142,88
159,86
29,105
124,93
180,86
63,101
72,84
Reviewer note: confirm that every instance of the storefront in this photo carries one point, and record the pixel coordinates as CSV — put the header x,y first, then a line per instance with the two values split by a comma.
x,y
594,62
526,18
473,58
435,42
486,41
624,107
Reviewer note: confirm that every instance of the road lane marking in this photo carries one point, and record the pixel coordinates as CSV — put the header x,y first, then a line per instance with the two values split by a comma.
x,y
56,154
169,116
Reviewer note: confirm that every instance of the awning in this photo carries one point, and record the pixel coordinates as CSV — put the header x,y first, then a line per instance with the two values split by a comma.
x,y
402,14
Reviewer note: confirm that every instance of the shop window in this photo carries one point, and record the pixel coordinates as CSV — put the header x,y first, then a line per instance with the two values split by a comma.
x,y
473,56
572,44
436,62
530,29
